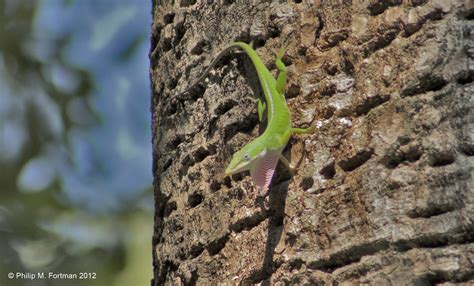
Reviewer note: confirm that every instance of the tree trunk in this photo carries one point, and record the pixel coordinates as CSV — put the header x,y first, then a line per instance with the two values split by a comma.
x,y
385,192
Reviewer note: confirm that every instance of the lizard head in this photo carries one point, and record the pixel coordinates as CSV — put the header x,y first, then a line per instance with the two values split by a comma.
x,y
243,159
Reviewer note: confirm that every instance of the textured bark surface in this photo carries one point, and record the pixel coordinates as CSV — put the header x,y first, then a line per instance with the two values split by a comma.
x,y
385,193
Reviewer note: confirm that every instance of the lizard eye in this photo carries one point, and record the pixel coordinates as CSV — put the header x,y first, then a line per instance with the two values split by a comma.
x,y
246,157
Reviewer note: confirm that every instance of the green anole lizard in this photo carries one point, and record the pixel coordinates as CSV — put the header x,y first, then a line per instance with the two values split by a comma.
x,y
261,155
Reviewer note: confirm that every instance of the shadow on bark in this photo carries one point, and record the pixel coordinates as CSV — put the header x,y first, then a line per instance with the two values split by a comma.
x,y
277,204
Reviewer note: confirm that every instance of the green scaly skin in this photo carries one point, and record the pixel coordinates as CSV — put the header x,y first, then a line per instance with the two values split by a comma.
x,y
279,129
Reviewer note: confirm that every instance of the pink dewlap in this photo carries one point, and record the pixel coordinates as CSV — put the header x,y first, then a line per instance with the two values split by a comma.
x,y
263,170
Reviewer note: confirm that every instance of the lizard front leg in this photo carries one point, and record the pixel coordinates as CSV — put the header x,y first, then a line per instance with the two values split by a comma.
x,y
293,168
303,130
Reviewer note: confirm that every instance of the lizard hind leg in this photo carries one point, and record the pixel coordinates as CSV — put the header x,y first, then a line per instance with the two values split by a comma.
x,y
260,106
284,46
281,80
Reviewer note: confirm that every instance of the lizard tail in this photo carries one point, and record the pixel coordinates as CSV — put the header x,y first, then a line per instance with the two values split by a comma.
x,y
250,52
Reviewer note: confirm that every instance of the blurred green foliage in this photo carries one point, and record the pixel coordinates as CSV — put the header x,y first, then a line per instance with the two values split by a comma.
x,y
45,99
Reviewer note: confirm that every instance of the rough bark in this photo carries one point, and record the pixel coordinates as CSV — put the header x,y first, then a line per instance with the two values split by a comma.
x,y
385,193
